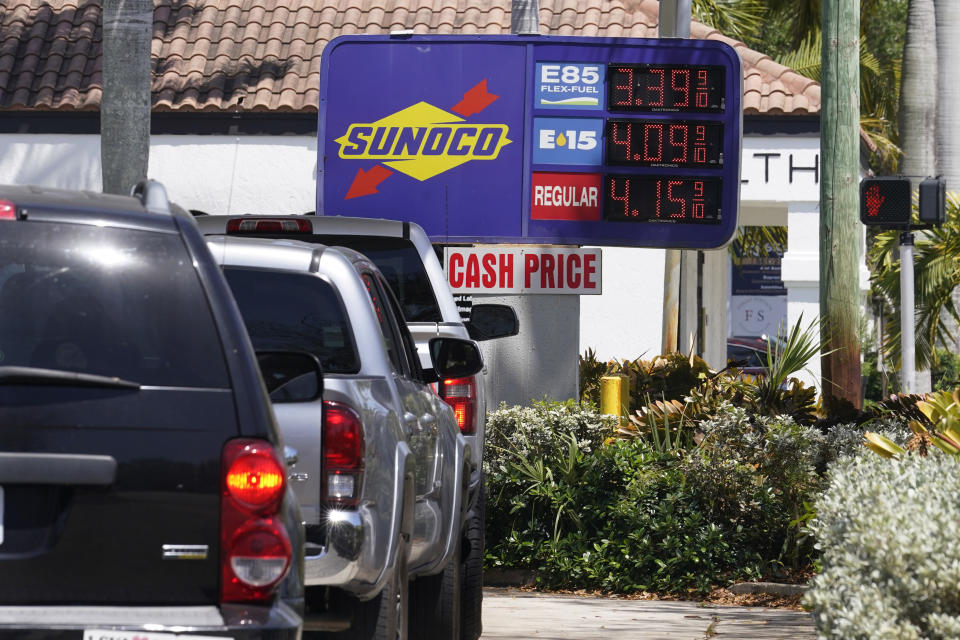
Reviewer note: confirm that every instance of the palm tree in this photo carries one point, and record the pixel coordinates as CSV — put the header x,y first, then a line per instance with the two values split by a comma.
x,y
937,273
918,94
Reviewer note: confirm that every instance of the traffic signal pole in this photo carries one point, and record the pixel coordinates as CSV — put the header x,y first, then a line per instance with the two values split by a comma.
x,y
907,338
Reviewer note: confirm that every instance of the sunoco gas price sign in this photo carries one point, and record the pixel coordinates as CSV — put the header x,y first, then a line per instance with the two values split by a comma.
x,y
504,139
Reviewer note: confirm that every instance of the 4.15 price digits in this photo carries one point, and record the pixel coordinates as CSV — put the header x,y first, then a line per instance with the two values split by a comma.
x,y
646,198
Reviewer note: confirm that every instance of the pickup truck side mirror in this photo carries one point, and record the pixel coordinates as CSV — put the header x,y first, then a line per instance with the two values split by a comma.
x,y
489,321
455,357
291,376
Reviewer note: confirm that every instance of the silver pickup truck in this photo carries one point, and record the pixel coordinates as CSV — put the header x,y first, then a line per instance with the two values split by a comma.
x,y
382,468
404,254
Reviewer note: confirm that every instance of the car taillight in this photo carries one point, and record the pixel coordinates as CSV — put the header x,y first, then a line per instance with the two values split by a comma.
x,y
254,547
343,449
461,394
8,210
269,225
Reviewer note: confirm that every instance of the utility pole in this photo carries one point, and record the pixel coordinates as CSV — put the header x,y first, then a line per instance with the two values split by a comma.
x,y
674,23
126,102
839,204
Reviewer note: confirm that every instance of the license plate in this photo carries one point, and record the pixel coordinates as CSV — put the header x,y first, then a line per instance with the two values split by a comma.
x,y
106,634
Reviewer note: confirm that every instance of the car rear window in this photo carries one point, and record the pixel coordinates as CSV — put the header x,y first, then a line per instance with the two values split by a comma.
x,y
401,265
287,311
106,301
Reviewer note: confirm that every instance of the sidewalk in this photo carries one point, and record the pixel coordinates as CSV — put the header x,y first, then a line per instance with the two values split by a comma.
x,y
509,614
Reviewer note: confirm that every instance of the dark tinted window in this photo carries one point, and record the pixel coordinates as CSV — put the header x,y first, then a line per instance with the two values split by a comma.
x,y
294,312
403,269
113,302
746,357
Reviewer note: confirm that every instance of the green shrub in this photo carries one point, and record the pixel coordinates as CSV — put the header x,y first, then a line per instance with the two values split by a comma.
x,y
629,516
891,567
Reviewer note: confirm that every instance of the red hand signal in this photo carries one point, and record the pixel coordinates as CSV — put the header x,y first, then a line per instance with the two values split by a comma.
x,y
874,201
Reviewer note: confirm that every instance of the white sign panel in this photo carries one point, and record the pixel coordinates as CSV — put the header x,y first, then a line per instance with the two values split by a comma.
x,y
504,271
758,315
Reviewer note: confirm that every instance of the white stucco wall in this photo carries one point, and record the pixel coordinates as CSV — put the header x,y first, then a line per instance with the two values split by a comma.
x,y
216,174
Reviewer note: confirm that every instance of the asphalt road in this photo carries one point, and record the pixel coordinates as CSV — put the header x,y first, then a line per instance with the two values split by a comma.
x,y
514,615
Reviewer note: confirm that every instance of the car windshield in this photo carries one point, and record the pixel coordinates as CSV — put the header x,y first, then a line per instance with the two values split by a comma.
x,y
105,301
287,311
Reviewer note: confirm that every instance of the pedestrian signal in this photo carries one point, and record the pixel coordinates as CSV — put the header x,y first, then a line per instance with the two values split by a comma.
x,y
885,201
931,201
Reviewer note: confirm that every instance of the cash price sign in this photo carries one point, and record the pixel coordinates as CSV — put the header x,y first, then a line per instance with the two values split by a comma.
x,y
534,140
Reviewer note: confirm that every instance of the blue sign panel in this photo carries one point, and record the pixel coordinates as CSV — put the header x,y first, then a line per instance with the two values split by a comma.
x,y
568,141
474,137
566,85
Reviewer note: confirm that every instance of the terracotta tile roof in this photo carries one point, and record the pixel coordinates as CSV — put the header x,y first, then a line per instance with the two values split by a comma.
x,y
210,55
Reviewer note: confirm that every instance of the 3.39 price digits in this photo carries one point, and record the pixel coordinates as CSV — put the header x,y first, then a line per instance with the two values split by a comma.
x,y
666,88
658,143
650,199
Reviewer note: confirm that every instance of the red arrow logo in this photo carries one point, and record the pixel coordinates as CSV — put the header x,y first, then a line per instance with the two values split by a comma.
x,y
874,200
475,100
365,182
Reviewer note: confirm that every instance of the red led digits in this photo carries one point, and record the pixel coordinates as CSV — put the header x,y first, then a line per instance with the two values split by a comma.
x,y
682,88
666,87
701,93
647,138
615,138
679,142
662,199
656,87
627,80
625,198
677,199
664,143
698,204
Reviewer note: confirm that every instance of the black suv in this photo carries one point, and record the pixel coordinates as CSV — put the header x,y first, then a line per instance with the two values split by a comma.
x,y
142,481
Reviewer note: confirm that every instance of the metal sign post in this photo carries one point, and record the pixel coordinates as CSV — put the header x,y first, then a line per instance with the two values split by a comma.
x,y
907,338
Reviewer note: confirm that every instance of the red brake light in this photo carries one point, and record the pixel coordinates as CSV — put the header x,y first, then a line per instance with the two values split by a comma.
x,y
255,551
269,225
8,210
461,394
343,450
255,476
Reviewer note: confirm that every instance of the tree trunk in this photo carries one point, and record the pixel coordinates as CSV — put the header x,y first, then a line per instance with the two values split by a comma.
x,y
918,93
840,230
125,106
948,103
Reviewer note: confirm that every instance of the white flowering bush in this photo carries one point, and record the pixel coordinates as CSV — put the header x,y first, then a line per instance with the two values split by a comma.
x,y
890,560
536,432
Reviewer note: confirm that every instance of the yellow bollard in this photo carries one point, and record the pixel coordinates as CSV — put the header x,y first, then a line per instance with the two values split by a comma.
x,y
615,396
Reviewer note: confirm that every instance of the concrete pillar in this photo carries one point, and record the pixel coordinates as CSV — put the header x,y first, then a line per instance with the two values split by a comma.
x,y
541,361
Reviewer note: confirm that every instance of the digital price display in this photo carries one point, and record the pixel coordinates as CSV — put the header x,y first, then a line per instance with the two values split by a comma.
x,y
664,143
661,199
667,87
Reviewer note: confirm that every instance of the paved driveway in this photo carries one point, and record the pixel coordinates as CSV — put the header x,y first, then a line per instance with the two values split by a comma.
x,y
514,615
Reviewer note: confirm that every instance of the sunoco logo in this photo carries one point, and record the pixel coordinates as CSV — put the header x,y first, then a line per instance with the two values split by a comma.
x,y
422,141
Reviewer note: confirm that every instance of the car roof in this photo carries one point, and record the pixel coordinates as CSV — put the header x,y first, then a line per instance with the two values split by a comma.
x,y
291,255
327,225
66,205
